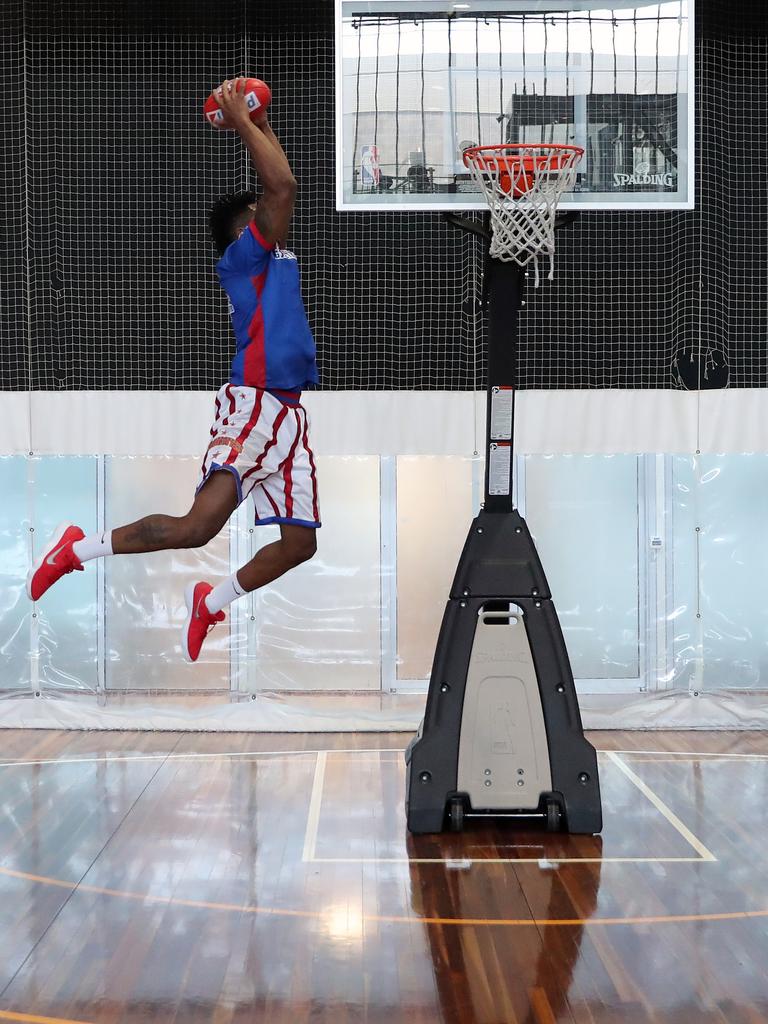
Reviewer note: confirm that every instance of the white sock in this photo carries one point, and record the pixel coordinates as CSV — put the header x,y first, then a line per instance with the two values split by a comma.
x,y
223,594
95,546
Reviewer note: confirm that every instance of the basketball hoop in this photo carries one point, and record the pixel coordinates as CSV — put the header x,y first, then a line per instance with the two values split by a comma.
x,y
523,183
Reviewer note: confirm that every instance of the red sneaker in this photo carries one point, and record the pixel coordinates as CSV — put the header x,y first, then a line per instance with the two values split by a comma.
x,y
199,621
56,561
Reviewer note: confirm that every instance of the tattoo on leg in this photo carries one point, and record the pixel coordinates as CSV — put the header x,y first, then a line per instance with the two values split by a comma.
x,y
152,533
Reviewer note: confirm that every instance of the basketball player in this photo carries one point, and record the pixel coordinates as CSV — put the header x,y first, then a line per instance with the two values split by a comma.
x,y
259,439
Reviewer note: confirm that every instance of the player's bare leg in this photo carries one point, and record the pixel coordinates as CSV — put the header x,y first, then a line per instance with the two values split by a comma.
x,y
68,548
205,603
297,544
212,507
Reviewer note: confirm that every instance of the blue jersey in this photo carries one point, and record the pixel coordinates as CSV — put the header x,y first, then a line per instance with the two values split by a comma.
x,y
275,347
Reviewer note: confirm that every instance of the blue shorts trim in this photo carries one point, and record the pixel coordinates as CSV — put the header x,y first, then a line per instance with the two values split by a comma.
x,y
288,522
214,468
289,398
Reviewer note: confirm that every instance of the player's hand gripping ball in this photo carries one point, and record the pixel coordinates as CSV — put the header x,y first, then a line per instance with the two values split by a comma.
x,y
257,96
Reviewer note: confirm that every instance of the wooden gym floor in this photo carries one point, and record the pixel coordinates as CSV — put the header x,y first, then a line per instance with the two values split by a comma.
x,y
268,878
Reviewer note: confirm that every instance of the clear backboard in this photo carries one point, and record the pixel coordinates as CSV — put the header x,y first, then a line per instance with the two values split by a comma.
x,y
419,81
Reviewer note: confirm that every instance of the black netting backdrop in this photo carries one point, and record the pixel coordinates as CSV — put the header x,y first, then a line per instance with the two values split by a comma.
x,y
14,307
107,274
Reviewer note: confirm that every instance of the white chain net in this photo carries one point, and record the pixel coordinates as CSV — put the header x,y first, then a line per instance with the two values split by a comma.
x,y
523,185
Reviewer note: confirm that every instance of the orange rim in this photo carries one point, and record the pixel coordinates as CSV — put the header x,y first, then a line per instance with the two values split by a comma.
x,y
516,163
509,156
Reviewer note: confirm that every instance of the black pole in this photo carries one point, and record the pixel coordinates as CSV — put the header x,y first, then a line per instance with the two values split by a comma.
x,y
504,284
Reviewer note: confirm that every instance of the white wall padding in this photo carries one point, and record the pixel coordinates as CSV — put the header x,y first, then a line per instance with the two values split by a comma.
x,y
396,422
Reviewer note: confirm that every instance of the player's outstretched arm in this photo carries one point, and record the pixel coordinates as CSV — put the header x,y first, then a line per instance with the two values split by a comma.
x,y
275,208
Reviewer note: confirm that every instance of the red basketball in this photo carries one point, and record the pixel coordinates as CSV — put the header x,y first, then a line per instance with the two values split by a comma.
x,y
523,179
258,96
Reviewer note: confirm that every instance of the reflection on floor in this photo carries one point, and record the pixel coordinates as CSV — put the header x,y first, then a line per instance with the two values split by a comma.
x,y
240,877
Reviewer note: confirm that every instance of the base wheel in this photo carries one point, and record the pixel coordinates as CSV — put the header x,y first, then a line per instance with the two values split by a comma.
x,y
554,816
456,811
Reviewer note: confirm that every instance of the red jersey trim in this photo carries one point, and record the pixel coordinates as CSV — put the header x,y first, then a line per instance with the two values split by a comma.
x,y
259,237
255,362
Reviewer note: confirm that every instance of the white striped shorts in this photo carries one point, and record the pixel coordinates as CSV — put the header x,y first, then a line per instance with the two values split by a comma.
x,y
264,444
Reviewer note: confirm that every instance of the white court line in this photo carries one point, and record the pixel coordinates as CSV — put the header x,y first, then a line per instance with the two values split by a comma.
x,y
690,755
310,841
660,806
313,816
506,860
196,756
313,826
316,798
192,756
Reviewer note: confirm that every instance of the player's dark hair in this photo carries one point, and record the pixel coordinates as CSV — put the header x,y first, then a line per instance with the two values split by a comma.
x,y
223,214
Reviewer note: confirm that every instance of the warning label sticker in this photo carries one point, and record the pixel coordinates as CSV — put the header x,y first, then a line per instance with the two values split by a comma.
x,y
500,462
501,413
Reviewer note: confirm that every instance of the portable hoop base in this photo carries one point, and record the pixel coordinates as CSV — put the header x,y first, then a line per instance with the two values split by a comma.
x,y
502,733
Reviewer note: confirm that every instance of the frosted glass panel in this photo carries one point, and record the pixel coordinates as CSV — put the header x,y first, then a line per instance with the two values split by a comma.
x,y
720,617
698,594
66,490
434,512
15,608
319,626
145,608
582,511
